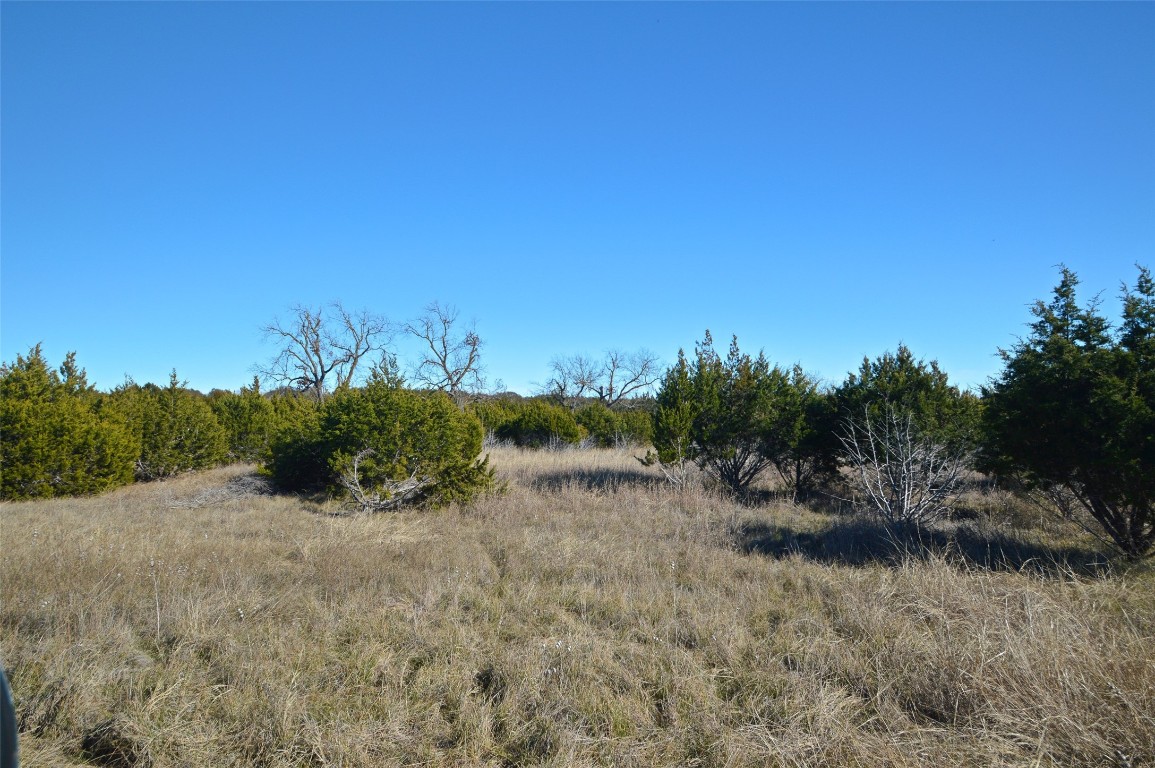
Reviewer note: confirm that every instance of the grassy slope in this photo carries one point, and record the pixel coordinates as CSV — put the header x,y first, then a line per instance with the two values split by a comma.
x,y
590,616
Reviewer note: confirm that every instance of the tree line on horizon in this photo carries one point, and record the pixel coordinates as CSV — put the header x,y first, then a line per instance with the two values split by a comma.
x,y
1071,416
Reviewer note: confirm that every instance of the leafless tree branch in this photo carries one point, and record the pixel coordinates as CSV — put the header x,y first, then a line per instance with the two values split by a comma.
x,y
449,362
573,377
617,376
323,349
907,477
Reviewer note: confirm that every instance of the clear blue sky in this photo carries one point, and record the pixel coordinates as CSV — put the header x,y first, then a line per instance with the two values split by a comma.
x,y
823,180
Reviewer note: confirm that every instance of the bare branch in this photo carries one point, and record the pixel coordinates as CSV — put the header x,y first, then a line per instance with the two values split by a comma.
x,y
627,374
573,377
907,477
383,496
449,362
617,376
320,353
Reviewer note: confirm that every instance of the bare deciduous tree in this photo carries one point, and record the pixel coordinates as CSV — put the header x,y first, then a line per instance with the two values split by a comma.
x,y
612,379
573,377
322,349
907,477
451,359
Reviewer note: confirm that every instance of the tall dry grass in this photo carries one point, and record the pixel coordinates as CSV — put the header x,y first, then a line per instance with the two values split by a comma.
x,y
589,616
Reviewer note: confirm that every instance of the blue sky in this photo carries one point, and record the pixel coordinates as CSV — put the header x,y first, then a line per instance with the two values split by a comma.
x,y
823,180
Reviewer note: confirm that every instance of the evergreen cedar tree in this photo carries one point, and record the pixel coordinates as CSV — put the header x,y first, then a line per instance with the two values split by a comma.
x,y
900,384
543,421
176,427
58,436
396,433
736,417
1073,412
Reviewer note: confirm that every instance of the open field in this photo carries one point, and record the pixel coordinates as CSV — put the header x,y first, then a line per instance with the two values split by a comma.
x,y
589,616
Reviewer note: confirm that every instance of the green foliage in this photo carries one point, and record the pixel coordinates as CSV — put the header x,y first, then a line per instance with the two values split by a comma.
x,y
381,438
176,427
296,459
807,455
249,420
599,422
898,383
735,417
1074,411
540,424
675,412
608,427
543,421
674,416
57,436
736,427
636,423
252,420
495,412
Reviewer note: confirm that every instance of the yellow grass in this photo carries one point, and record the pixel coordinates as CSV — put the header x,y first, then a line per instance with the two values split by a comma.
x,y
591,615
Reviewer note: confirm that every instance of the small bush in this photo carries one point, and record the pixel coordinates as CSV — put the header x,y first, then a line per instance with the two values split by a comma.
x,y
601,424
494,413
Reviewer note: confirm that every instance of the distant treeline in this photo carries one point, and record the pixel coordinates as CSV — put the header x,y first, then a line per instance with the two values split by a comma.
x,y
1072,416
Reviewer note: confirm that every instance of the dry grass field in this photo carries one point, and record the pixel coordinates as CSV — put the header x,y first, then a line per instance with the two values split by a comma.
x,y
590,615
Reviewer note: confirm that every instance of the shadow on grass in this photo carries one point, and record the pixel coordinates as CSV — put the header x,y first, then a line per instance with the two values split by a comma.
x,y
861,541
595,480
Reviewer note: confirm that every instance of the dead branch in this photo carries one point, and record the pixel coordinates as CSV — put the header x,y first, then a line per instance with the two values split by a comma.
x,y
384,495
907,477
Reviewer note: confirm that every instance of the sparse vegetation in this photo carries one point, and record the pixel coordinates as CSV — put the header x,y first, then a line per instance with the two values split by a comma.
x,y
592,615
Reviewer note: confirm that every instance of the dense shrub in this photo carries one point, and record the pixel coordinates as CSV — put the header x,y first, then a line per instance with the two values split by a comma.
x,y
1073,412
57,435
601,425
381,446
611,427
908,436
637,424
899,383
495,412
733,417
807,458
253,420
249,421
296,458
543,421
176,427
676,410
540,424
